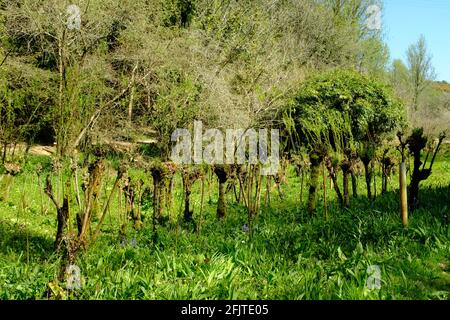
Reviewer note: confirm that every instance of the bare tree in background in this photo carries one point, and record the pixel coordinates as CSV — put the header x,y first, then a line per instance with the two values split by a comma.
x,y
420,68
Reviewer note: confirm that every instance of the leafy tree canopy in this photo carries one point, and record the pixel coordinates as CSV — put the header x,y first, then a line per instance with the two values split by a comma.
x,y
339,108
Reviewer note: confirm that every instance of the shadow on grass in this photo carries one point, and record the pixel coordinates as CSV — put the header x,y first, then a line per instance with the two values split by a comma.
x,y
432,200
376,222
17,239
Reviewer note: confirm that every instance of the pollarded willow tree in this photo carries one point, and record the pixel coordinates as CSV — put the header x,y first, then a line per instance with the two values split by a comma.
x,y
336,112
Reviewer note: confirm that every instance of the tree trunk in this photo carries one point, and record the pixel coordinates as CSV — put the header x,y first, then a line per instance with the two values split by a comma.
x,y
187,196
384,182
346,171
5,146
417,176
415,181
157,195
169,197
313,182
200,222
335,185
62,216
368,176
346,190
221,208
354,184
222,176
403,194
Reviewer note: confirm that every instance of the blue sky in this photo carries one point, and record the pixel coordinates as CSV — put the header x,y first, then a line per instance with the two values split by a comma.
x,y
405,20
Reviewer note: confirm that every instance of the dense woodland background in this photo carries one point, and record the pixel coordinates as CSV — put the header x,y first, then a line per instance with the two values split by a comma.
x,y
86,117
226,63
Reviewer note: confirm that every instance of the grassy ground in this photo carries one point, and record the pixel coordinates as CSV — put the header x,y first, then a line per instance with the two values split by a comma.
x,y
290,256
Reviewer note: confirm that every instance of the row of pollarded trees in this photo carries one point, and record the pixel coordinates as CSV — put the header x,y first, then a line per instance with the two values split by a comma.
x,y
342,117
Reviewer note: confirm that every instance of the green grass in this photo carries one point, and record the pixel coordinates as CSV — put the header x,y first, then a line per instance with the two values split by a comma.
x,y
290,256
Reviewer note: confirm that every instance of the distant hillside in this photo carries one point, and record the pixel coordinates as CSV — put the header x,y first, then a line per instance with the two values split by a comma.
x,y
442,86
